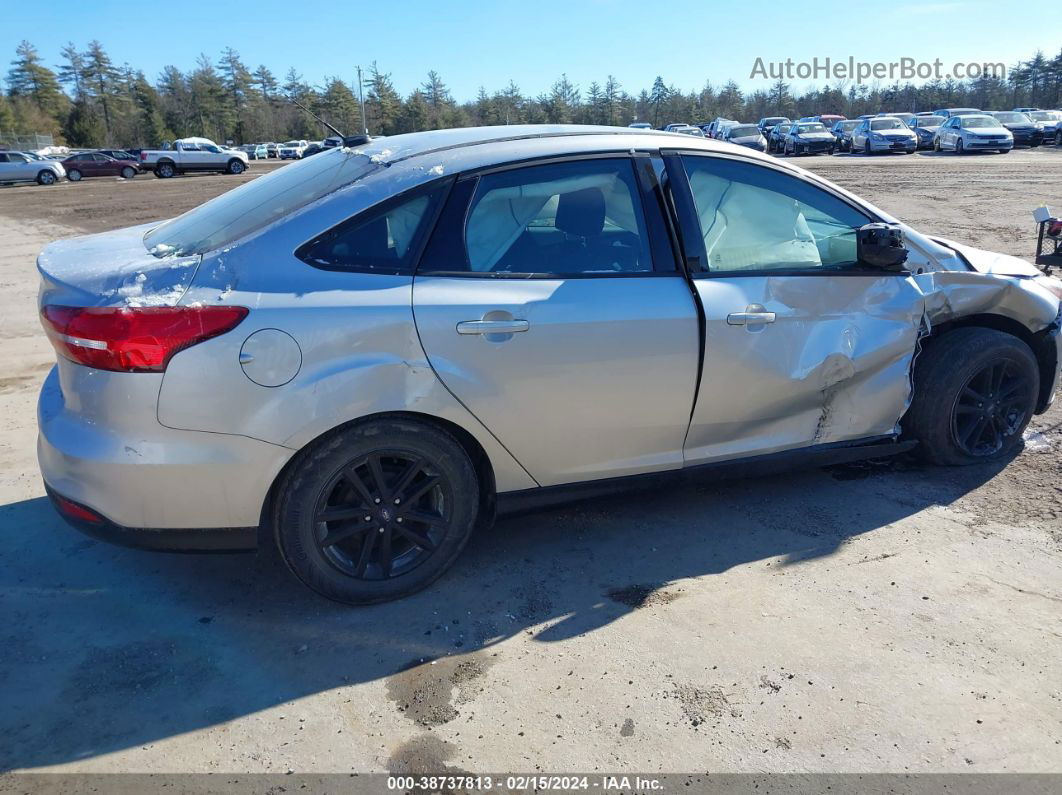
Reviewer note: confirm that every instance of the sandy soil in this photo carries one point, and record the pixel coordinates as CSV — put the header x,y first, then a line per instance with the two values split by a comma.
x,y
862,618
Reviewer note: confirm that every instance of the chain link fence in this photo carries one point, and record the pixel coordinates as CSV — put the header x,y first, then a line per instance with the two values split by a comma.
x,y
33,142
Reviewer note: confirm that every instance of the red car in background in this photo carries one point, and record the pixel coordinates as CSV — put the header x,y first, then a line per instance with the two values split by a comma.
x,y
97,164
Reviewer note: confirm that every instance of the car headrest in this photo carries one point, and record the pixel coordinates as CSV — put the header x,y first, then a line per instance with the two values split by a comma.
x,y
581,212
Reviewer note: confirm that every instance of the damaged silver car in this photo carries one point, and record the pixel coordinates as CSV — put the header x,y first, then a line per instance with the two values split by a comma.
x,y
369,353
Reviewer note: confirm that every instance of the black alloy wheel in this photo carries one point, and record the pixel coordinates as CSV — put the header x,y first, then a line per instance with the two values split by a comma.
x,y
990,408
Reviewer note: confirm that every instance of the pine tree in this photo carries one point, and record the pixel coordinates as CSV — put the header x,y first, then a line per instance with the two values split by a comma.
x,y
383,105
657,97
100,77
30,79
611,99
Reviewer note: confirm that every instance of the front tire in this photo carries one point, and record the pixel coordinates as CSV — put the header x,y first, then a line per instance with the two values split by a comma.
x,y
958,146
974,393
46,177
128,172
236,167
866,148
377,511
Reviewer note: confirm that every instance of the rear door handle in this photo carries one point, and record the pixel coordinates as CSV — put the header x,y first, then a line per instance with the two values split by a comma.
x,y
747,318
492,326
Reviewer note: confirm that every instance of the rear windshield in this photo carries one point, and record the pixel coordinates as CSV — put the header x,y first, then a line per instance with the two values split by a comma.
x,y
1044,115
886,124
743,130
810,128
929,121
776,120
848,126
250,207
1012,118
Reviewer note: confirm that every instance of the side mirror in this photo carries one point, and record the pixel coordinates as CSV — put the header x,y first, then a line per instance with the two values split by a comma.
x,y
881,246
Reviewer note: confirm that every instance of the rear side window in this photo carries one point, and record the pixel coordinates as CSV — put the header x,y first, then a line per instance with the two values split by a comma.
x,y
383,239
573,218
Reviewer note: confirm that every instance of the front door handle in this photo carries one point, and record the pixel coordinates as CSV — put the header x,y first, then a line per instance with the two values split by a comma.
x,y
492,326
749,318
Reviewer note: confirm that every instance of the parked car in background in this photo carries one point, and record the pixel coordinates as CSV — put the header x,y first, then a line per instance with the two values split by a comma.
x,y
673,126
255,151
688,129
808,138
716,126
292,150
20,167
828,119
640,125
333,141
902,116
947,113
1026,132
776,140
925,127
883,134
119,154
271,149
193,154
867,116
97,164
969,133
1052,123
842,132
747,135
360,359
1025,110
768,123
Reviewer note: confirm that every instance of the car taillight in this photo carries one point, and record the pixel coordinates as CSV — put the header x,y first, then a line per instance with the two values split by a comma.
x,y
133,339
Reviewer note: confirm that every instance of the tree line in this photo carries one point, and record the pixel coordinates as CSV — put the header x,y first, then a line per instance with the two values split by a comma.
x,y
89,101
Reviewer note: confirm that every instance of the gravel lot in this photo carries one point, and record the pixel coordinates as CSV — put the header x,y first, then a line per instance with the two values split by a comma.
x,y
862,618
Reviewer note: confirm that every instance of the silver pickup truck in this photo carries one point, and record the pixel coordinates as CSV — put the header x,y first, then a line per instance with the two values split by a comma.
x,y
193,154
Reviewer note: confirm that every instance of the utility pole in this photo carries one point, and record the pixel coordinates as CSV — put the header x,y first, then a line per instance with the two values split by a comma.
x,y
361,102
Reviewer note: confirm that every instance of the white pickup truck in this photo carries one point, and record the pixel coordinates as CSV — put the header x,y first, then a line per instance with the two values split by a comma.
x,y
193,154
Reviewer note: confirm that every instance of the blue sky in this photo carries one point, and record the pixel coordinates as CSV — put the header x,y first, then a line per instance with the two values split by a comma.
x,y
474,43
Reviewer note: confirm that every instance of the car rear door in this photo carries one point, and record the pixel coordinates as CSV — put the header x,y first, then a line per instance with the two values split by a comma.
x,y
549,302
803,345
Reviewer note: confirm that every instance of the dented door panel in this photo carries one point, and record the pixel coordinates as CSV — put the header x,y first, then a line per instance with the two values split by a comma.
x,y
833,366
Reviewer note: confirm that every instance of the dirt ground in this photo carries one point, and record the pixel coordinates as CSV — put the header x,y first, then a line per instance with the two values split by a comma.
x,y
876,617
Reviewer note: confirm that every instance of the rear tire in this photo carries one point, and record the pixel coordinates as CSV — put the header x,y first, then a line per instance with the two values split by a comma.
x,y
73,175
165,170
974,393
364,476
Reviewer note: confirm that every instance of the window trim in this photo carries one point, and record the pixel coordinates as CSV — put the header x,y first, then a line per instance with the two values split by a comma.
x,y
632,157
688,220
440,187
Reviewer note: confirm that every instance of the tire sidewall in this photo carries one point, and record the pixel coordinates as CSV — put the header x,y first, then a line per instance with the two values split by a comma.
x,y
296,504
128,172
943,371
73,175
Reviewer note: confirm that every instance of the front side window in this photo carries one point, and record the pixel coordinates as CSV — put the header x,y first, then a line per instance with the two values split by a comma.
x,y
576,217
382,240
753,218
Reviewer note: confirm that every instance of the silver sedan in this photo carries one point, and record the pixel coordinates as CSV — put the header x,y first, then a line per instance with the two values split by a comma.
x,y
367,354
883,134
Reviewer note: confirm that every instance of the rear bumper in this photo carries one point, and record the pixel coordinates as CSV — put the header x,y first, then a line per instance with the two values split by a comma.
x,y
212,539
149,485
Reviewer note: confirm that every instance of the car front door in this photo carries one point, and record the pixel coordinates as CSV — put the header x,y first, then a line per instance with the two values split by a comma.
x,y
549,302
804,345
21,167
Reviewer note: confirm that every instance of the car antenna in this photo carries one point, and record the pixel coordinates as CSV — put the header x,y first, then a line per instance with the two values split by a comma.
x,y
348,140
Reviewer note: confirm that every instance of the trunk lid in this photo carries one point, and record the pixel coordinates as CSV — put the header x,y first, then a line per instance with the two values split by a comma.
x,y
112,269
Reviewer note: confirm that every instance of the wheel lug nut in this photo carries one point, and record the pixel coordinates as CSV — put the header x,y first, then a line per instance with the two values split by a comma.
x,y
399,520
398,502
377,500
381,529
368,518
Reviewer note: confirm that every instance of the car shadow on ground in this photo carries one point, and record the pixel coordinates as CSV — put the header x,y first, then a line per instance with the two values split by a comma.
x,y
107,648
